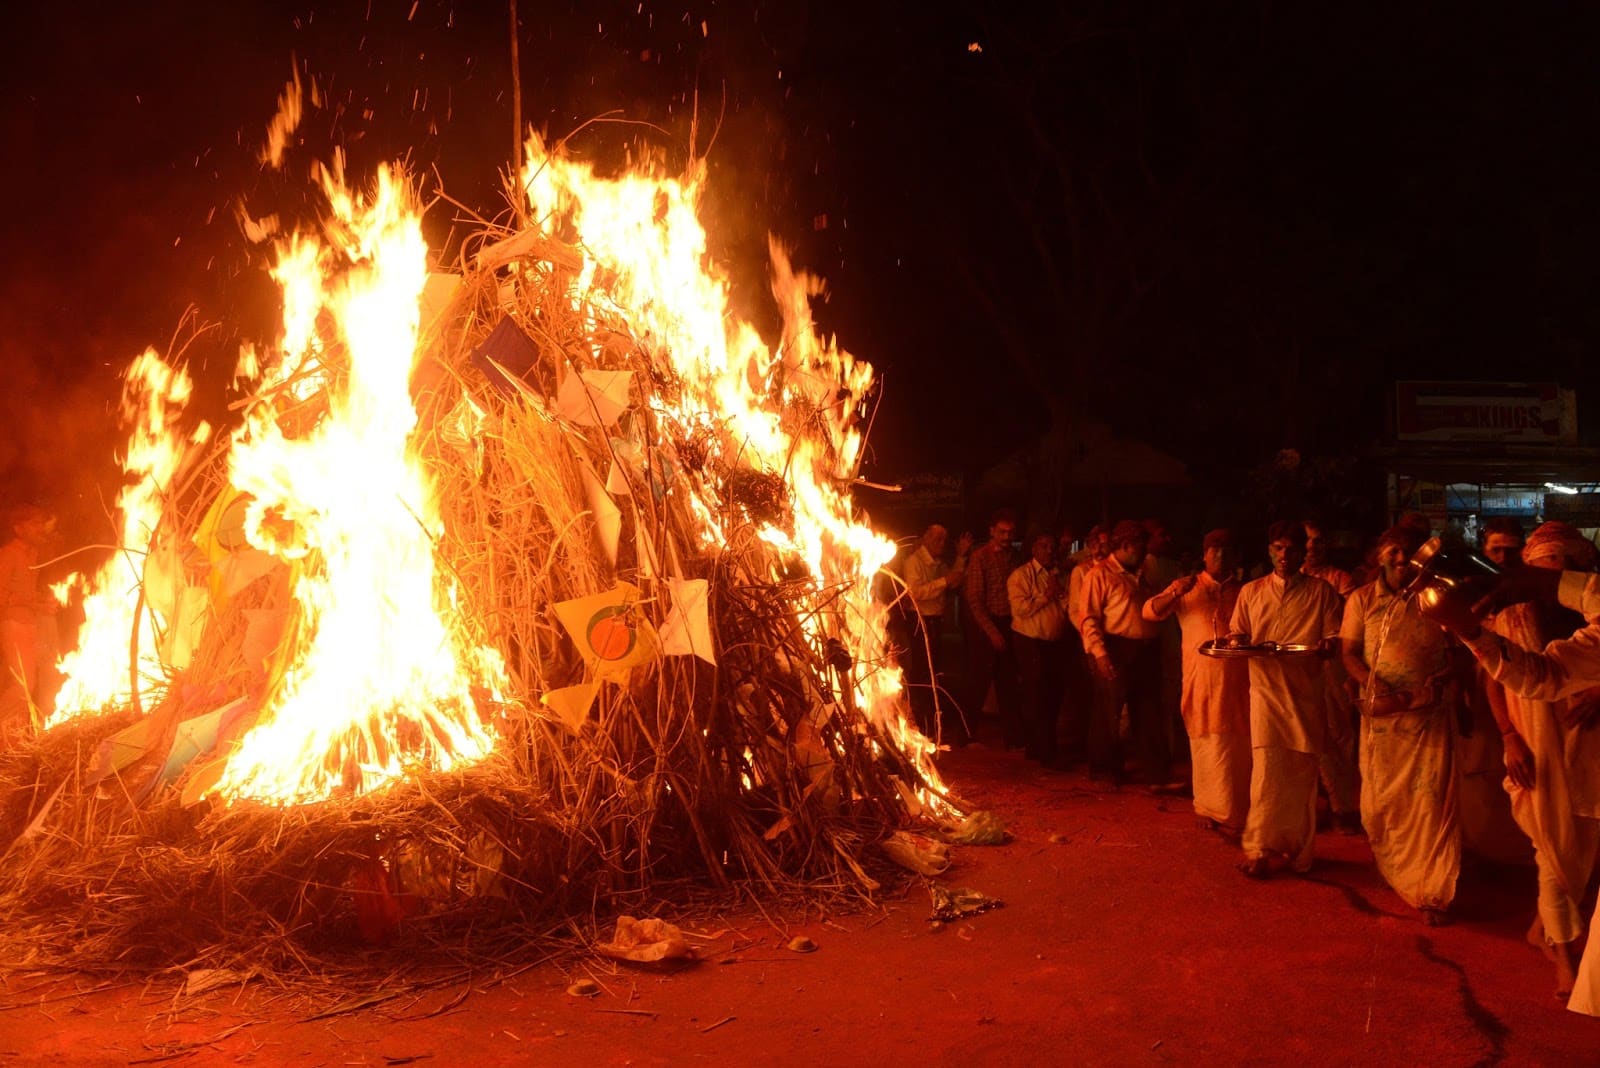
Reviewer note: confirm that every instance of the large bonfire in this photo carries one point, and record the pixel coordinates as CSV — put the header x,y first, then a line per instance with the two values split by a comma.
x,y
521,589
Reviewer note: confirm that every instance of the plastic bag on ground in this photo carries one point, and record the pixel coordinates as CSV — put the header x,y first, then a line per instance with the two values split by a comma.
x,y
917,852
980,828
951,903
646,941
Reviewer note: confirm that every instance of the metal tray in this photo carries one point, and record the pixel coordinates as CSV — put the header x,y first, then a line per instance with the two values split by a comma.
x,y
1272,649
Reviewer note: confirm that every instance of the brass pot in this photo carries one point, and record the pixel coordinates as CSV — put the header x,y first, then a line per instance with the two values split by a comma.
x,y
1447,578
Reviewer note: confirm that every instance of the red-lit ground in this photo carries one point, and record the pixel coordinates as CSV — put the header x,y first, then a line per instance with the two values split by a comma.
x,y
1134,941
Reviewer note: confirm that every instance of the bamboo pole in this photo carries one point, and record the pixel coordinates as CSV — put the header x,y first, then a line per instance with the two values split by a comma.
x,y
518,202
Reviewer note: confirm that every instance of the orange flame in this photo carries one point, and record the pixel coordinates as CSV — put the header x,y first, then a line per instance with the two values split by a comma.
x,y
646,256
130,600
371,676
378,677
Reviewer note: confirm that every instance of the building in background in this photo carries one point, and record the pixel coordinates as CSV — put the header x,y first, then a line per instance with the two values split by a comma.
x,y
1464,452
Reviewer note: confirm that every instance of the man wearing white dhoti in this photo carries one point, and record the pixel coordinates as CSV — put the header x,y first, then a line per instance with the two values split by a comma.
x,y
1401,659
1552,760
1287,718
1563,668
1216,692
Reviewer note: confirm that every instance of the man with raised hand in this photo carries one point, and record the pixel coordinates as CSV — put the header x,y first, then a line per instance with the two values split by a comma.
x,y
1561,669
1552,759
1216,691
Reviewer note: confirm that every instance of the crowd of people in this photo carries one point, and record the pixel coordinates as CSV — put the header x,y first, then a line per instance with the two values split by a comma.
x,y
1307,693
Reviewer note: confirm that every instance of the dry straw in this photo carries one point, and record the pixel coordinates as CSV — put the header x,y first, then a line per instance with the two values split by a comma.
x,y
756,776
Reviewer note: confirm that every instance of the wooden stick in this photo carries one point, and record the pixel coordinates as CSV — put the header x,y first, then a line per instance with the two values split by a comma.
x,y
519,203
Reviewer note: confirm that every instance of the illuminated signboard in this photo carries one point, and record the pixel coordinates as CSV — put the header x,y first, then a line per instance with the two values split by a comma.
x,y
1531,413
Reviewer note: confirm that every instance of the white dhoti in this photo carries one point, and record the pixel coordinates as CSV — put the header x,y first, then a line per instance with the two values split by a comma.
x,y
1221,774
1560,914
1565,845
1558,811
1408,804
1586,990
1283,805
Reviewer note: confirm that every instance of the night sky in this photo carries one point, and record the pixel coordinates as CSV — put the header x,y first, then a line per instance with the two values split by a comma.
x,y
1220,228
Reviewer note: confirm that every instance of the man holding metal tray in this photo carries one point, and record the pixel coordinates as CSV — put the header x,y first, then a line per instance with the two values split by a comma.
x,y
1292,615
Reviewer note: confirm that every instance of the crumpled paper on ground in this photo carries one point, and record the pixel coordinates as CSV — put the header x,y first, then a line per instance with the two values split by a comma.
x,y
646,941
917,852
980,828
950,903
204,980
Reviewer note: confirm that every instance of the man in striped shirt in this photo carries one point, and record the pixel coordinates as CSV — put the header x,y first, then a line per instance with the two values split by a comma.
x,y
986,614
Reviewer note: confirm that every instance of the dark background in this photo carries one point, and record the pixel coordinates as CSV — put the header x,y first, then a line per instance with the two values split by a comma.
x,y
1221,228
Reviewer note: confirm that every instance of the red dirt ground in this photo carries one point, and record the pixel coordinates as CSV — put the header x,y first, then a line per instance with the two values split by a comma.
x,y
1133,941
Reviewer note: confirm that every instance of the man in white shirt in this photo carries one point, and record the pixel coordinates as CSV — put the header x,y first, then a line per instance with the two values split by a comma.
x,y
1038,617
1551,757
928,583
1560,670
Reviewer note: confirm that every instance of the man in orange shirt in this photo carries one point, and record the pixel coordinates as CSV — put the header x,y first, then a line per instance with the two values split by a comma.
x,y
1216,691
1125,658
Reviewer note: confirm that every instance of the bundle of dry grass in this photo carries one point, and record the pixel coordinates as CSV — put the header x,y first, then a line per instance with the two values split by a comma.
x,y
760,771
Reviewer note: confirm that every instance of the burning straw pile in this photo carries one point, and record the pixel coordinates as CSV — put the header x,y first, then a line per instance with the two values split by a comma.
x,y
591,622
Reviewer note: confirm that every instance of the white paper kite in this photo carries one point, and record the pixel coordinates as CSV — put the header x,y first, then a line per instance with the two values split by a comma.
x,y
687,628
594,398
